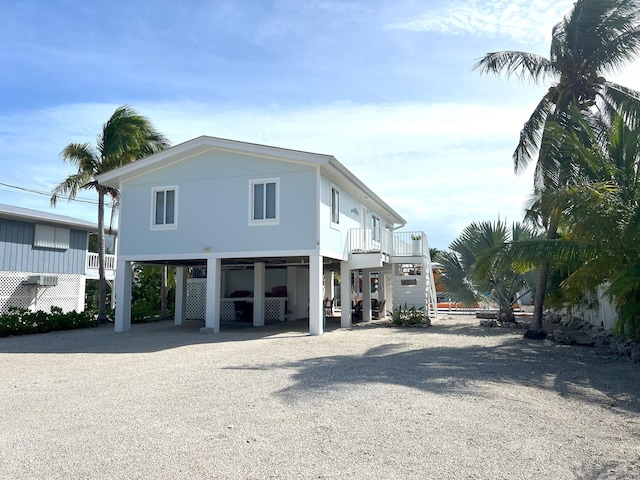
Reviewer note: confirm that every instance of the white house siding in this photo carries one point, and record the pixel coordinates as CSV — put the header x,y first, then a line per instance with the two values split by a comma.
x,y
68,294
333,239
213,207
409,295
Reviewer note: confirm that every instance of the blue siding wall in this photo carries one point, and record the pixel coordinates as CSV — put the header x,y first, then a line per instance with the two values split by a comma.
x,y
18,254
213,207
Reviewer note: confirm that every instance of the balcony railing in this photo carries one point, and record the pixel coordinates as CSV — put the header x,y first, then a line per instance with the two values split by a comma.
x,y
369,240
401,244
407,244
92,265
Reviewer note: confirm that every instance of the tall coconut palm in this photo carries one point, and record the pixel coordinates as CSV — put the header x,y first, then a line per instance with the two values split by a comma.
x,y
470,273
596,37
124,138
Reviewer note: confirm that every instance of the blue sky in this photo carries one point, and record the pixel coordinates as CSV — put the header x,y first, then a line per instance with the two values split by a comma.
x,y
384,86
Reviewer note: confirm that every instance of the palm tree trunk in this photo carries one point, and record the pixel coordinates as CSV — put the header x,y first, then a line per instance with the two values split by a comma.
x,y
102,291
541,287
163,289
538,302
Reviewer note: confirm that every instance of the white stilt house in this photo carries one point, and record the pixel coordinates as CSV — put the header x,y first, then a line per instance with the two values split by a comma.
x,y
257,234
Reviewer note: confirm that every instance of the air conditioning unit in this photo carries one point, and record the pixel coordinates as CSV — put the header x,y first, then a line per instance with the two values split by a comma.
x,y
42,280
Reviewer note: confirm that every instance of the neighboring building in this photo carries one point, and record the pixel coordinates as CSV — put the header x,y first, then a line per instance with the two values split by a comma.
x,y
44,260
267,224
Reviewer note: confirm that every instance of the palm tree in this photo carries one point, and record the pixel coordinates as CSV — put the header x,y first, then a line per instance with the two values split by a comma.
x,y
600,225
472,273
596,37
125,138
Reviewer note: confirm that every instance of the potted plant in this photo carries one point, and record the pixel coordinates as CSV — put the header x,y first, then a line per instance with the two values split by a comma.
x,y
416,243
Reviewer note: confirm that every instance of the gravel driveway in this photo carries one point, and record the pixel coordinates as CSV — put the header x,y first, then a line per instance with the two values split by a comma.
x,y
454,401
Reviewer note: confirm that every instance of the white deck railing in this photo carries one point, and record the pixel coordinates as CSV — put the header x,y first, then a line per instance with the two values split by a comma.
x,y
401,244
369,240
406,244
109,262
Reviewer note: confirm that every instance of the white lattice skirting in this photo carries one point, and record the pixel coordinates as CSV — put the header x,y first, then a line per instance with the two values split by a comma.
x,y
68,294
196,299
196,303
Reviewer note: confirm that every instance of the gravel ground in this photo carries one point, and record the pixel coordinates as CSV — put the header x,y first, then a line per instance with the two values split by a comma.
x,y
454,401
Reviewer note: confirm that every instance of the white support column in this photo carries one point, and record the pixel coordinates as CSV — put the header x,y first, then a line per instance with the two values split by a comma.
x,y
181,296
81,293
212,307
292,292
316,326
123,297
385,288
345,295
366,295
258,294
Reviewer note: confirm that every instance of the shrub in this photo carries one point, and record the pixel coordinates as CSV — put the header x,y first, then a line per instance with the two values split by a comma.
x,y
143,311
409,317
19,321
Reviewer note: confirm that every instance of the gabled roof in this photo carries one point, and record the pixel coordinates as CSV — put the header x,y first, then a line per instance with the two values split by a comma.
x,y
332,167
28,215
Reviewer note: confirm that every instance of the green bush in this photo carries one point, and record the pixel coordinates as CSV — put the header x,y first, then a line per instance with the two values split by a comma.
x,y
143,311
409,317
19,321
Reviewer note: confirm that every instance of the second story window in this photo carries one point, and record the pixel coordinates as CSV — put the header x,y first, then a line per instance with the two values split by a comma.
x,y
164,213
264,201
335,206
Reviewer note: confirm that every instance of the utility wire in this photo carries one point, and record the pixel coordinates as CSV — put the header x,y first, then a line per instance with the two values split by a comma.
x,y
48,194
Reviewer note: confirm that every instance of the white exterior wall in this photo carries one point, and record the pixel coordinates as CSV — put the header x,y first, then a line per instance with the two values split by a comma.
x,y
332,239
353,214
411,295
603,314
213,208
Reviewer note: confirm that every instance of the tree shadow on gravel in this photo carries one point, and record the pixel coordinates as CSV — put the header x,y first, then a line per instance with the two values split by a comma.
x,y
451,370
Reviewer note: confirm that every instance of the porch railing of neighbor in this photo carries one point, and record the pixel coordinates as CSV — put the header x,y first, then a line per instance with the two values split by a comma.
x,y
92,261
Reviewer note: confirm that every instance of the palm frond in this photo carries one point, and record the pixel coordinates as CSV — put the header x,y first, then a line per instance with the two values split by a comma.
x,y
620,100
454,278
126,137
82,155
70,186
474,266
531,136
614,40
524,65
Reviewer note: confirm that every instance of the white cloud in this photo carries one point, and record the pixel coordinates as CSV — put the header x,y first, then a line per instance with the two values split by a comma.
x,y
524,21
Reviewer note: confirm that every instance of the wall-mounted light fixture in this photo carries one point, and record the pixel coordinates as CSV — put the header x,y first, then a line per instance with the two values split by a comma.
x,y
354,210
207,249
